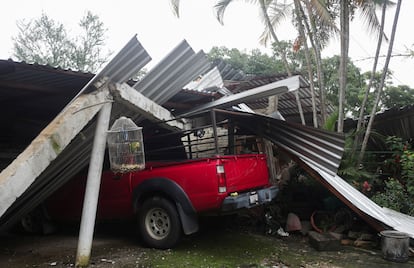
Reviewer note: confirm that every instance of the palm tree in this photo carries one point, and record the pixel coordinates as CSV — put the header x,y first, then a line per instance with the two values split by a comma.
x,y
381,85
272,13
318,14
343,70
371,79
300,18
347,7
221,6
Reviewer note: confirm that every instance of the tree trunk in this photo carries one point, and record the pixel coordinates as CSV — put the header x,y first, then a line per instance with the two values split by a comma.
x,y
299,17
371,79
379,89
344,21
318,59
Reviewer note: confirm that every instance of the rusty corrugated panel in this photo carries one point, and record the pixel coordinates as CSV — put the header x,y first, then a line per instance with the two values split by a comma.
x,y
172,73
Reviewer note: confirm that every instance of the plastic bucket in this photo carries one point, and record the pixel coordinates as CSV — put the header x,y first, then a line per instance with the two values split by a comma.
x,y
395,246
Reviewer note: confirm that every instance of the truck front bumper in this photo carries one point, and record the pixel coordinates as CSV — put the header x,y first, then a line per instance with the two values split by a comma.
x,y
249,199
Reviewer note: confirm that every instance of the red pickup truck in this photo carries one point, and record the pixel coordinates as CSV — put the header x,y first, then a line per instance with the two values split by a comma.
x,y
166,197
205,176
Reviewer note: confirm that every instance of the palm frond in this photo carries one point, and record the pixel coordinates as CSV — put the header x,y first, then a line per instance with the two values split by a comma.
x,y
370,18
175,5
324,17
220,8
277,12
221,5
320,9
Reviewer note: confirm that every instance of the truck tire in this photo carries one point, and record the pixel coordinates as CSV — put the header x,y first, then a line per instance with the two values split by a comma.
x,y
159,223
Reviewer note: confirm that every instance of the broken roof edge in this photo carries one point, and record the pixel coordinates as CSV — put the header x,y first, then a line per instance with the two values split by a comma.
x,y
145,106
47,146
380,218
116,66
275,88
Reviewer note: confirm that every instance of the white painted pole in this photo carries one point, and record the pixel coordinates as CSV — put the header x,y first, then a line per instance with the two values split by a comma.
x,y
92,187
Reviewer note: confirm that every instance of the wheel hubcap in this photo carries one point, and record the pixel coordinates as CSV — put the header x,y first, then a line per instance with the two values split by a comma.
x,y
157,223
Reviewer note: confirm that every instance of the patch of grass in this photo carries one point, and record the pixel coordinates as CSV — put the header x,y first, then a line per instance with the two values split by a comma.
x,y
224,250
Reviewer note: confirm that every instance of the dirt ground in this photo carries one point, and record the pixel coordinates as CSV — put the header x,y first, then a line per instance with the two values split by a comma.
x,y
213,246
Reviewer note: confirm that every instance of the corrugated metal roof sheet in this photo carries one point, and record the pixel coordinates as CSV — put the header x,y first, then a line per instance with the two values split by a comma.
x,y
228,72
321,152
287,102
171,74
275,88
397,121
322,148
212,79
125,64
365,206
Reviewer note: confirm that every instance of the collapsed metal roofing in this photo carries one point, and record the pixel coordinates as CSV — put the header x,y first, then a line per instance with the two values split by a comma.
x,y
63,147
63,144
396,121
319,152
276,88
287,104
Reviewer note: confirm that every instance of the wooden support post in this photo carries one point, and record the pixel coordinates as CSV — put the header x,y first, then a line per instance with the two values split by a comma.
x,y
230,136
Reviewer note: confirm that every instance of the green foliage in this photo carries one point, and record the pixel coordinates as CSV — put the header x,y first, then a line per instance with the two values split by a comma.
x,y
257,63
407,170
397,191
254,62
398,96
355,84
45,41
330,122
297,60
349,170
394,196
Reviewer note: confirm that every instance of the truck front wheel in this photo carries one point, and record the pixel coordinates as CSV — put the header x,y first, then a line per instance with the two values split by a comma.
x,y
159,224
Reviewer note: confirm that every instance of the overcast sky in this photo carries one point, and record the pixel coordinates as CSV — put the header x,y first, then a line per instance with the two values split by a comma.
x,y
159,31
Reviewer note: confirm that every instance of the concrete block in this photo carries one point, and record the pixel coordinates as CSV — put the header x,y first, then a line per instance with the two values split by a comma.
x,y
324,241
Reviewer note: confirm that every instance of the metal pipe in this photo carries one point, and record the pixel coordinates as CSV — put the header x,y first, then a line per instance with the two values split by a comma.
x,y
214,123
190,151
92,187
